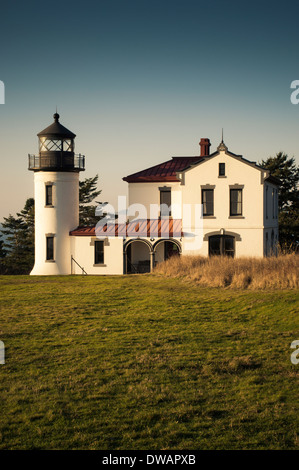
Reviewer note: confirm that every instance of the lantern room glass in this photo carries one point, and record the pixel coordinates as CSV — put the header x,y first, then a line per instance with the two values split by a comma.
x,y
55,145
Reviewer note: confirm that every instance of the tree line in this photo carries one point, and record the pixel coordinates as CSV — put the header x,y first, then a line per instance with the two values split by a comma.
x,y
285,169
17,233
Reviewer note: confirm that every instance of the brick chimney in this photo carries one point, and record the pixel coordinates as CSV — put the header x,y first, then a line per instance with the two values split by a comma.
x,y
204,147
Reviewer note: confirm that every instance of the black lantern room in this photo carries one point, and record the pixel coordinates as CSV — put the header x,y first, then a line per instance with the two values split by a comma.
x,y
56,150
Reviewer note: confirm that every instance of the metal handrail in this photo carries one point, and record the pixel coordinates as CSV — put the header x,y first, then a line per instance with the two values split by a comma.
x,y
132,266
83,270
63,160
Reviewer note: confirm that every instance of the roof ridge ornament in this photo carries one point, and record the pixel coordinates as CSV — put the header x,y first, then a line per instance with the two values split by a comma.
x,y
56,116
222,145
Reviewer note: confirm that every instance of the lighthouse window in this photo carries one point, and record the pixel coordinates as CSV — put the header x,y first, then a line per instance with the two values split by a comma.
x,y
67,145
50,145
99,252
50,249
49,195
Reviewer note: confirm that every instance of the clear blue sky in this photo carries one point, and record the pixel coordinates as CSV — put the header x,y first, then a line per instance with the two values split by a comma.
x,y
140,81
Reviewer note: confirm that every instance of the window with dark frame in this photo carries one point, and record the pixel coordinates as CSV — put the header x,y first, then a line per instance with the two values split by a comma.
x,y
235,202
221,169
272,242
165,202
222,245
50,248
99,252
207,196
49,195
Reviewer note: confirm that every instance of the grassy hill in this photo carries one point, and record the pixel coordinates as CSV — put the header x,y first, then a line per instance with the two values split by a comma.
x,y
144,362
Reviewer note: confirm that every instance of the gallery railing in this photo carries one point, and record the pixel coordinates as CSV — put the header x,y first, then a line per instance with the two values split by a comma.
x,y
58,161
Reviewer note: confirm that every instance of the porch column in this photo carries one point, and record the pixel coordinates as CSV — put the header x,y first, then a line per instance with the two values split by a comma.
x,y
152,260
125,268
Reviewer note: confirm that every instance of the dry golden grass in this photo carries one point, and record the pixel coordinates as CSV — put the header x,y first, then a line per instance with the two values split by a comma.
x,y
279,272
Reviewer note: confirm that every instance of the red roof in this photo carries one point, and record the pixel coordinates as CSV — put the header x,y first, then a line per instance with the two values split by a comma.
x,y
165,171
139,228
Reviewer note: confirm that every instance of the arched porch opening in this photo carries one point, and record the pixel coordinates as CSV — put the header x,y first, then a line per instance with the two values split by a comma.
x,y
165,249
138,256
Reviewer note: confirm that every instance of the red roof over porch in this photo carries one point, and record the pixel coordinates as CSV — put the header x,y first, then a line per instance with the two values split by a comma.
x,y
161,228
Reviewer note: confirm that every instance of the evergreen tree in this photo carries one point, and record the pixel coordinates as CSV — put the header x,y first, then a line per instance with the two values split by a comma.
x,y
2,255
285,169
87,193
18,244
13,229
27,216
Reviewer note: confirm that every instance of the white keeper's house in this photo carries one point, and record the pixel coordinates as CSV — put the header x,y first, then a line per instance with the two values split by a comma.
x,y
210,204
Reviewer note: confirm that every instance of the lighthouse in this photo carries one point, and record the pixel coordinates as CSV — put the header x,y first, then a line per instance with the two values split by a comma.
x,y
56,190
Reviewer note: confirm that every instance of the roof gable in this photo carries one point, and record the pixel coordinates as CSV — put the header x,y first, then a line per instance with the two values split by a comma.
x,y
169,171
265,174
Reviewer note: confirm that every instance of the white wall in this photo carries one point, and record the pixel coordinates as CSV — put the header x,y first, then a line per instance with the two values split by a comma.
x,y
237,172
82,249
58,220
249,226
251,243
148,193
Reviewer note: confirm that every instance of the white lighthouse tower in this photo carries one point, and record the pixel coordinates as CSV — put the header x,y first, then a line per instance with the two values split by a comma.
x,y
56,188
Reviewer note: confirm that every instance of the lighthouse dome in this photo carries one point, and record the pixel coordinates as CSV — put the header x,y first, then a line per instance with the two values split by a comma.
x,y
56,129
56,150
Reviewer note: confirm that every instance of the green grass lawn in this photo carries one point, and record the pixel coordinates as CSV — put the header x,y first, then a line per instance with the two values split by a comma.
x,y
144,362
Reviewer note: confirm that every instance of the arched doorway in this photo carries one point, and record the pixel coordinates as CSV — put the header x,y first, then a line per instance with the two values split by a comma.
x,y
222,245
165,249
138,256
